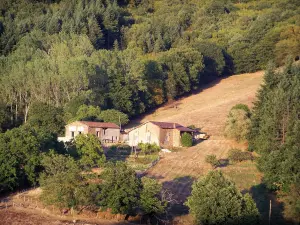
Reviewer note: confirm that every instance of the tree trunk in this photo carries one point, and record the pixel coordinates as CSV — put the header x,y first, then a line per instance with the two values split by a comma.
x,y
26,113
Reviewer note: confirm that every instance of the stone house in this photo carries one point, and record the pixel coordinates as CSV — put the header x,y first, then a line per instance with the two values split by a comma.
x,y
164,134
106,132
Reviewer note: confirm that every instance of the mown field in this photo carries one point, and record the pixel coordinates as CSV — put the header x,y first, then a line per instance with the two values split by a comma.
x,y
208,110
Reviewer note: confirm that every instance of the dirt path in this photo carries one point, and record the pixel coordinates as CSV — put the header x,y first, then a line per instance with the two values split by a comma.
x,y
19,216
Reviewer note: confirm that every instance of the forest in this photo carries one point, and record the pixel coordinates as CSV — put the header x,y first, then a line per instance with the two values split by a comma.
x,y
134,55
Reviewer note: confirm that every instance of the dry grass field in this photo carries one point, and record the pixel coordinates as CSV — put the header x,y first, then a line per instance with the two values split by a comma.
x,y
208,110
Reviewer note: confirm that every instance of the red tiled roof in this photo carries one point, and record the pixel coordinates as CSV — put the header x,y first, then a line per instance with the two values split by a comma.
x,y
100,124
168,125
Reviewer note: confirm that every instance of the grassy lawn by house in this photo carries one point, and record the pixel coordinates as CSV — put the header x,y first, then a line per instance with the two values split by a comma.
x,y
139,163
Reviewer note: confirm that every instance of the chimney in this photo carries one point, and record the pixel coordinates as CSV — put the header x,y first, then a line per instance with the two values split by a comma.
x,y
174,125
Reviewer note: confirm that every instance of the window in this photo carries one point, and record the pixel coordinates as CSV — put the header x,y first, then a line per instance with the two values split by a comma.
x,y
72,133
79,132
98,133
104,131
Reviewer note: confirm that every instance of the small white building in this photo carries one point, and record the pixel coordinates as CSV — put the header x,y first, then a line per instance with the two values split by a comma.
x,y
106,132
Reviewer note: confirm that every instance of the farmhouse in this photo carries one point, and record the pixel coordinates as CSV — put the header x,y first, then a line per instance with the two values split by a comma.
x,y
106,132
163,134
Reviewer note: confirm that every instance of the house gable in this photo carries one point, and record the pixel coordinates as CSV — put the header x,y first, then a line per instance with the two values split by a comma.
x,y
164,134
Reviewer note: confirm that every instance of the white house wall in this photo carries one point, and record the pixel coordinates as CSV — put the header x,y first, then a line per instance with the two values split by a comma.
x,y
146,133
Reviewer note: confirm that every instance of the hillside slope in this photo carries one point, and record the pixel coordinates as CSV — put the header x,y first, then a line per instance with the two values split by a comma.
x,y
207,110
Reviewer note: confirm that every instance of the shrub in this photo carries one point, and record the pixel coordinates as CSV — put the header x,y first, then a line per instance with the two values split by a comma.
x,y
186,140
193,127
236,155
89,150
143,160
242,107
238,123
120,189
148,149
63,184
216,200
212,160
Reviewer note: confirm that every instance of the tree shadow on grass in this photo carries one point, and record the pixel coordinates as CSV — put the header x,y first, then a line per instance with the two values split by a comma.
x,y
117,153
262,197
223,163
180,188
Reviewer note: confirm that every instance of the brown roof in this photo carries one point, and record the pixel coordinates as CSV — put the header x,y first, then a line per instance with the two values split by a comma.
x,y
167,125
100,124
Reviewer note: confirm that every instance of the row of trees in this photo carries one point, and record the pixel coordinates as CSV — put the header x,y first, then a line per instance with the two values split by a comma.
x,y
117,188
274,134
132,55
272,130
61,70
22,153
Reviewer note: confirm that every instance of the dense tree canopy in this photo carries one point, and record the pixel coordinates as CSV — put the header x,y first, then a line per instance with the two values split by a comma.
x,y
46,117
132,55
20,156
275,132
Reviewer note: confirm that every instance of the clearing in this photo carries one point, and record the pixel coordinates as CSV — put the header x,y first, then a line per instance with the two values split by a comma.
x,y
208,110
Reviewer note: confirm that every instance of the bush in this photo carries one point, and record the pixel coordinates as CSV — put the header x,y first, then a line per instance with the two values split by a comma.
x,y
89,150
143,160
63,183
212,160
148,149
216,200
186,140
236,155
242,107
238,123
120,189
118,150
193,127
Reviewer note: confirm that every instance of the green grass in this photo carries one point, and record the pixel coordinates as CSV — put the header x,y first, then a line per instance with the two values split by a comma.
x,y
123,153
244,174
